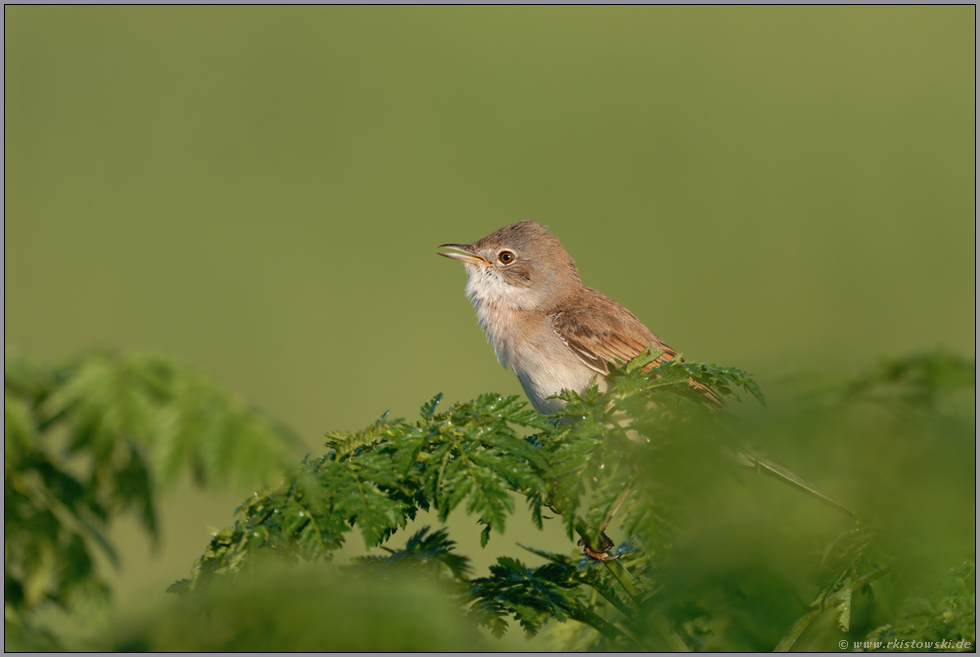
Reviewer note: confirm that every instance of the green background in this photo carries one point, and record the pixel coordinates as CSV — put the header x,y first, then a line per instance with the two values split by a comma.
x,y
259,191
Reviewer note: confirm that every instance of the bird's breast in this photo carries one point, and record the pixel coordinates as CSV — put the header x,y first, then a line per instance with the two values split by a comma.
x,y
527,343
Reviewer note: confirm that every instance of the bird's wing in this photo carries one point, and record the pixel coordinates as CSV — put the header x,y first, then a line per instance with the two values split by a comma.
x,y
600,348
623,337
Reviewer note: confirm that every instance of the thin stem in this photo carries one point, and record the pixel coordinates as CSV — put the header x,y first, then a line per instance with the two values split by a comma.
x,y
615,510
794,633
818,607
624,577
602,626
672,638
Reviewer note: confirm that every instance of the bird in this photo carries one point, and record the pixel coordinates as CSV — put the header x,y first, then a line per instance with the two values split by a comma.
x,y
550,329
557,334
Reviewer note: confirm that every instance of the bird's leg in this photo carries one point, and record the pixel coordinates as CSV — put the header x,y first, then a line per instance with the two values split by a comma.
x,y
602,554
605,543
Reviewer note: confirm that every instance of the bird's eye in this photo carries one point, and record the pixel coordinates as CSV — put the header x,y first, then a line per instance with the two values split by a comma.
x,y
505,257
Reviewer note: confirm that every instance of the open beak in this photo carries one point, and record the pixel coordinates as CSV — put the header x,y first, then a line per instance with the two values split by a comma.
x,y
466,254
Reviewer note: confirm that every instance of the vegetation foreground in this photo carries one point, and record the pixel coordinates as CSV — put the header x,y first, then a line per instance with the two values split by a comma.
x,y
708,556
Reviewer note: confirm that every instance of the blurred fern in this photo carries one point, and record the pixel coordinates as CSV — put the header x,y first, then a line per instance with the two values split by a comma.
x,y
102,435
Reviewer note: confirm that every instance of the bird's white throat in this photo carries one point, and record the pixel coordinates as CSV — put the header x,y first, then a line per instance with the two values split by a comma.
x,y
486,287
496,303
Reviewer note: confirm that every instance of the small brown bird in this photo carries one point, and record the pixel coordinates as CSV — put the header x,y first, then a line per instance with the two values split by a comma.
x,y
553,332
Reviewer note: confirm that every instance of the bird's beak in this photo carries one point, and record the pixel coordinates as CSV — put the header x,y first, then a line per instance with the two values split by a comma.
x,y
467,255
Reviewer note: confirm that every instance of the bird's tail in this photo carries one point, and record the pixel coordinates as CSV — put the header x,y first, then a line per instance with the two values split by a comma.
x,y
772,468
